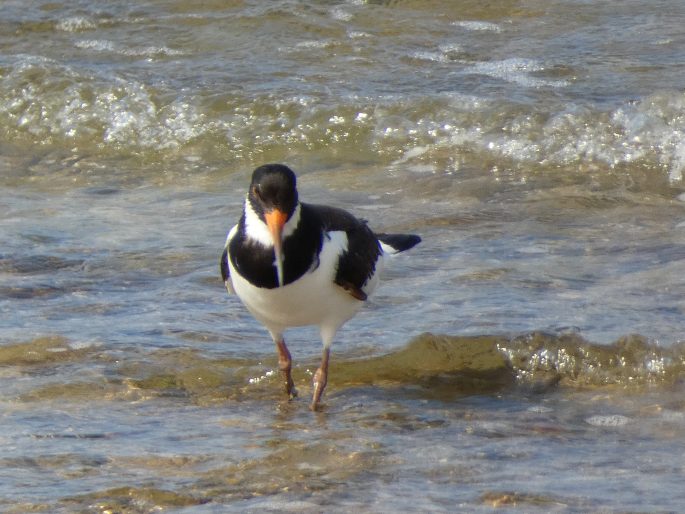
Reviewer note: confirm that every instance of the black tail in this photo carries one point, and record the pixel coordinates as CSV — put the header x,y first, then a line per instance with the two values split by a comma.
x,y
399,242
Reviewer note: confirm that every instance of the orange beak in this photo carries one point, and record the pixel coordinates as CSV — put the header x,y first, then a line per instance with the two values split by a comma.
x,y
275,220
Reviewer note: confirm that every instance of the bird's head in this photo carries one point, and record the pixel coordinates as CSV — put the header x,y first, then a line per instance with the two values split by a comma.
x,y
273,197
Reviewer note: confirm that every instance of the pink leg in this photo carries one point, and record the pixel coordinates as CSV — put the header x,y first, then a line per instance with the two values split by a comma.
x,y
320,379
285,364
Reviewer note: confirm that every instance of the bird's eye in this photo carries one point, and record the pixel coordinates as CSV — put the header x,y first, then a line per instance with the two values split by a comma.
x,y
257,192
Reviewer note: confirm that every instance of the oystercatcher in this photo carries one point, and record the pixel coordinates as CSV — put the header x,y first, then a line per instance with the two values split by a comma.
x,y
292,264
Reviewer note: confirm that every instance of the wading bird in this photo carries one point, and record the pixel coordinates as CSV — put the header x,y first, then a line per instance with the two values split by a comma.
x,y
292,264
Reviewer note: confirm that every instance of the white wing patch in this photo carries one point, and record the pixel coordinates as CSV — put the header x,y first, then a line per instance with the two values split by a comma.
x,y
387,249
228,282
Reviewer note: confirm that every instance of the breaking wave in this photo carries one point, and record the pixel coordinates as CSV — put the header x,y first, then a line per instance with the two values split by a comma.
x,y
48,104
439,365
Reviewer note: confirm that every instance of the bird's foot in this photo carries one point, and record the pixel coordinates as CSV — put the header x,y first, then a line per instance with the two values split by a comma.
x,y
288,380
290,390
320,380
286,366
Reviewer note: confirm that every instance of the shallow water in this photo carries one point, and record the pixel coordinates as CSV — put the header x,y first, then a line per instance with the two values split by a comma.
x,y
527,356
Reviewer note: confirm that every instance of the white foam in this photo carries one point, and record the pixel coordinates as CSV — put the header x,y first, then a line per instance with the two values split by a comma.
x,y
338,13
672,416
99,45
478,26
540,409
677,166
445,53
103,45
613,420
130,113
450,48
76,24
424,55
517,70
314,44
412,153
83,345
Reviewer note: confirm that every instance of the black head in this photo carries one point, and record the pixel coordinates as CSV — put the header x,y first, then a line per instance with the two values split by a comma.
x,y
273,196
273,187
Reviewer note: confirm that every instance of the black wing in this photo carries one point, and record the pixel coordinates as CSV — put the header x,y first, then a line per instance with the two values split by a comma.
x,y
358,264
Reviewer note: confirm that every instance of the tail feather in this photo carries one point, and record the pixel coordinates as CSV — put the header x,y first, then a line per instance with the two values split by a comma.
x,y
395,243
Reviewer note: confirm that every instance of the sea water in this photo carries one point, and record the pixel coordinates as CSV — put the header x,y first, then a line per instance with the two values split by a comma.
x,y
526,357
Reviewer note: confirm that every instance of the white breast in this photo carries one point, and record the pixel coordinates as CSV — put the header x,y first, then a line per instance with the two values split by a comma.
x,y
313,299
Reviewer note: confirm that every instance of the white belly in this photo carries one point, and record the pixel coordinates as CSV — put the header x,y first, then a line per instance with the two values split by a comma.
x,y
313,299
